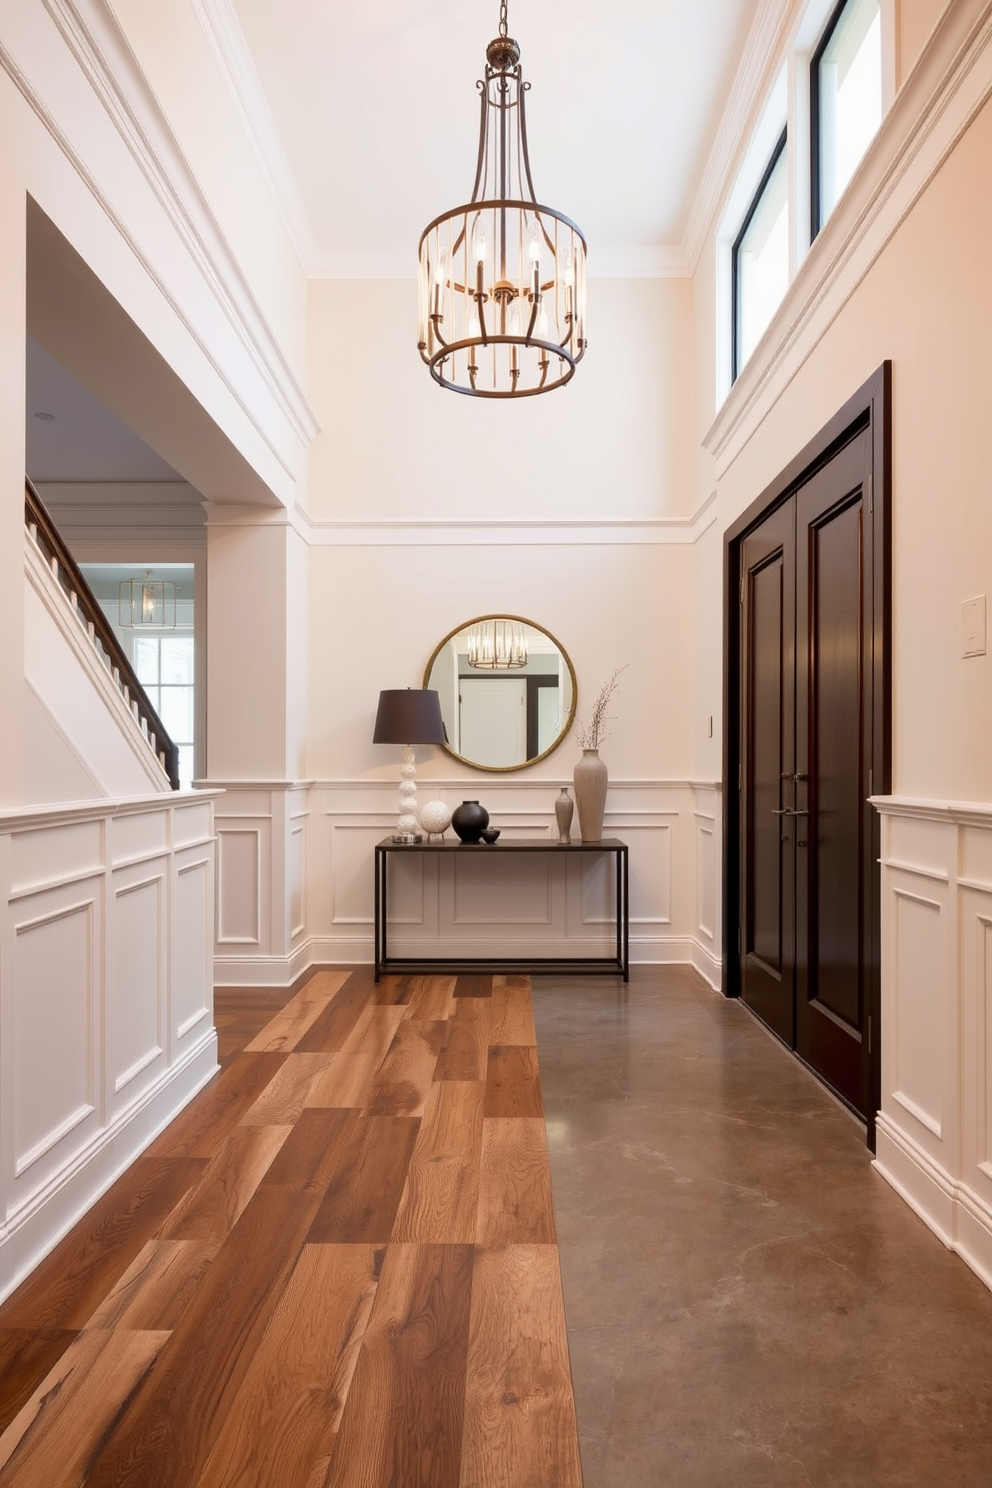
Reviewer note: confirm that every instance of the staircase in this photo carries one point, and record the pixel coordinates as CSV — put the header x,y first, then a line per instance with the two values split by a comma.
x,y
90,729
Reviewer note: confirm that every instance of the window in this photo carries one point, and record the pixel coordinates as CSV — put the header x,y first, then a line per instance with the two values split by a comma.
x,y
164,665
760,259
846,101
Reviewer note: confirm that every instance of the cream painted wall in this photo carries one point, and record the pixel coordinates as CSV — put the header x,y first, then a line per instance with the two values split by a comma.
x,y
614,445
174,54
376,614
927,305
249,605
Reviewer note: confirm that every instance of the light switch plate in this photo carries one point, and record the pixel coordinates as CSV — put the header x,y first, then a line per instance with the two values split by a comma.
x,y
973,627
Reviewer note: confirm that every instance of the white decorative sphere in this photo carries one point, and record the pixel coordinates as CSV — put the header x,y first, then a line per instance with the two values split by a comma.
x,y
435,817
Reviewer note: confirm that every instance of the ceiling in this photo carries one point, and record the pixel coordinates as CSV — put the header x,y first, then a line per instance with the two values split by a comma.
x,y
367,115
376,110
71,436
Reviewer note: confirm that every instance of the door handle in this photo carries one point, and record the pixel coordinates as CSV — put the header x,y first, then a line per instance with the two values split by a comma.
x,y
788,811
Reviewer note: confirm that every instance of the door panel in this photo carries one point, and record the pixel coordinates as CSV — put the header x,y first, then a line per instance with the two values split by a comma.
x,y
767,669
805,750
833,746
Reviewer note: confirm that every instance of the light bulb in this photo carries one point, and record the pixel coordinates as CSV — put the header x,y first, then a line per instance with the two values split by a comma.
x,y
474,329
479,244
534,244
514,322
441,267
541,324
568,273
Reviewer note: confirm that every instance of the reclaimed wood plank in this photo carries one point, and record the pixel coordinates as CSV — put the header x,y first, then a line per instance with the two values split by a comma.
x,y
362,1198
402,1082
51,1440
348,1082
474,986
282,1033
26,1356
403,1419
285,1096
328,1032
200,1129
513,1083
520,1429
172,1421
282,1424
512,1012
431,998
73,1279
211,1208
441,1196
464,1055
515,1205
156,1288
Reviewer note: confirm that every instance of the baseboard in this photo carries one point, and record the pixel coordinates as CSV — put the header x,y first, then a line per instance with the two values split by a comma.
x,y
358,950
37,1227
278,971
958,1216
709,966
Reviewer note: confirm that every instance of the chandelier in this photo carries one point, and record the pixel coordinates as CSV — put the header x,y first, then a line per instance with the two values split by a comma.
x,y
147,604
502,279
497,645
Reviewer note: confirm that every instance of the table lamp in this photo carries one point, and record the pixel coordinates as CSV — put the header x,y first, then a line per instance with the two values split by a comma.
x,y
409,716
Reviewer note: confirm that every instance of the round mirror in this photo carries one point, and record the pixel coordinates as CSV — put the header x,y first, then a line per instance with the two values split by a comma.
x,y
507,691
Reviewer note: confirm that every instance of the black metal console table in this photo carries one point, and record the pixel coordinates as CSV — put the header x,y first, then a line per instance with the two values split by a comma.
x,y
412,965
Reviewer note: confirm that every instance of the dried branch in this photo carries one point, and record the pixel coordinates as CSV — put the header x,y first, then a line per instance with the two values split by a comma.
x,y
593,736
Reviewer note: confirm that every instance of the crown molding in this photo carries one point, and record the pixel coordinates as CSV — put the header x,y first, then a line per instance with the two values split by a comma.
x,y
747,95
661,532
99,47
226,39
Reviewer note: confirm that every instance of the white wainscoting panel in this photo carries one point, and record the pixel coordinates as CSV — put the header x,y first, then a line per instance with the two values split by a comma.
x,y
55,1018
136,980
106,947
934,1128
486,906
239,885
263,881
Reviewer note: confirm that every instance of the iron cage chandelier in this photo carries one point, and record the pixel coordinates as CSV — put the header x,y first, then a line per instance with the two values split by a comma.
x,y
502,279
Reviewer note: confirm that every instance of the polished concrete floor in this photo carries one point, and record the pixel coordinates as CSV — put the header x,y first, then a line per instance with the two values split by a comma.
x,y
748,1303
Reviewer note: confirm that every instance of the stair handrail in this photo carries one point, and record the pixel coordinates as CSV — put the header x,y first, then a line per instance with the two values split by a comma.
x,y
90,613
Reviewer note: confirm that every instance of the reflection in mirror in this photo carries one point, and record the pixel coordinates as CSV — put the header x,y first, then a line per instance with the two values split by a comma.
x,y
507,691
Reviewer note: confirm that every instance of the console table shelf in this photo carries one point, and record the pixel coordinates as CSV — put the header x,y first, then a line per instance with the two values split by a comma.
x,y
583,965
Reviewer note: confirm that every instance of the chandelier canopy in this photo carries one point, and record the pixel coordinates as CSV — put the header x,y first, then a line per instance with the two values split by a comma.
x,y
502,279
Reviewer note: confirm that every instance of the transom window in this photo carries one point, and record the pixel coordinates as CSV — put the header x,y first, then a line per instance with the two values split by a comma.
x,y
846,101
760,260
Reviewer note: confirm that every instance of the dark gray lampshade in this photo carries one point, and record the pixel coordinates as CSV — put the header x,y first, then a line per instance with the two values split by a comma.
x,y
409,715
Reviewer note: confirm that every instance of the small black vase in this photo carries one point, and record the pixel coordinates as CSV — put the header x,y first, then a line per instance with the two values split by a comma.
x,y
469,820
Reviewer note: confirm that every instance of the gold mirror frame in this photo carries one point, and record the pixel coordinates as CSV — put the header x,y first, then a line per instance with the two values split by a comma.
x,y
566,726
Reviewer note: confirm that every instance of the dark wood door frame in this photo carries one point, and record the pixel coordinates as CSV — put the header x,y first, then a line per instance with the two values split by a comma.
x,y
868,408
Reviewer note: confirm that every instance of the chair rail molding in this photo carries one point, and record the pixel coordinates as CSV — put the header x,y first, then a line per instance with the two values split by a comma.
x,y
935,1126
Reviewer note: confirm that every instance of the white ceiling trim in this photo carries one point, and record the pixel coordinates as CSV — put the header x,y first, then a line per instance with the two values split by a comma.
x,y
100,48
226,40
747,97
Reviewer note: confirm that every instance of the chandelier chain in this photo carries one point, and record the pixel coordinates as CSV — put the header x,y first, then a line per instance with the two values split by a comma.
x,y
503,23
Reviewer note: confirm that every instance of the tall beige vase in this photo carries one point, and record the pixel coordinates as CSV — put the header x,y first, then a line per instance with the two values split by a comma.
x,y
590,779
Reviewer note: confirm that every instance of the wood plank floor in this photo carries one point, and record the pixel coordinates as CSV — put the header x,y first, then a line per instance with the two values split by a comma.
x,y
338,1267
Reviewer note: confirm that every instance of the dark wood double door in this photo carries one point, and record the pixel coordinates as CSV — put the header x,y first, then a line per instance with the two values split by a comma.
x,y
807,721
